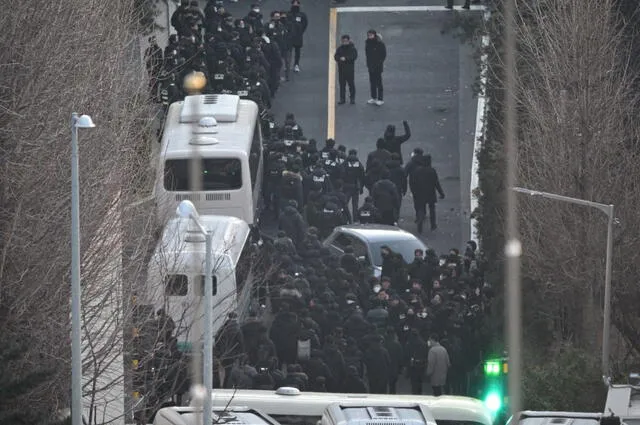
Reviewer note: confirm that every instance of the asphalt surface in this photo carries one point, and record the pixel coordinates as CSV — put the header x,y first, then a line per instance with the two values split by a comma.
x,y
427,80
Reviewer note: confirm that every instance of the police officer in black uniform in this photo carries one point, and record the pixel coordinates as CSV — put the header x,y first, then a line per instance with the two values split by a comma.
x,y
353,177
368,213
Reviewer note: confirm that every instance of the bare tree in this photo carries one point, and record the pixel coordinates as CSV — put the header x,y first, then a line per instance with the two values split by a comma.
x,y
58,57
578,137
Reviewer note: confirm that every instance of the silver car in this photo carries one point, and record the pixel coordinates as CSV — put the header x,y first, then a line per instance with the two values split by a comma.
x,y
367,239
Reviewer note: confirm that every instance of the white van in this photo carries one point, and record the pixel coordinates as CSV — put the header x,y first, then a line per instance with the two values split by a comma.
x,y
175,279
224,132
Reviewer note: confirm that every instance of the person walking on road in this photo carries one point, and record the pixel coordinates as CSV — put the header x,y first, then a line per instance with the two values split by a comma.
x,y
297,27
423,183
376,53
437,365
346,56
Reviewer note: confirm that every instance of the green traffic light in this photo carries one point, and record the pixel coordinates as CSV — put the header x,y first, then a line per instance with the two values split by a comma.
x,y
493,401
492,368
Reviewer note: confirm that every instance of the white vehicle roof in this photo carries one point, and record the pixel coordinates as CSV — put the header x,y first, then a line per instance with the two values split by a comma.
x,y
180,238
212,123
551,414
192,416
290,401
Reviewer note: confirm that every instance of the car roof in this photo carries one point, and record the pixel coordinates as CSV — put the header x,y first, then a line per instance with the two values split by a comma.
x,y
376,232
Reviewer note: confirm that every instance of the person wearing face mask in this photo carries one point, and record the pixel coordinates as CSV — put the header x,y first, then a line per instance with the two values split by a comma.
x,y
277,31
438,364
254,18
298,25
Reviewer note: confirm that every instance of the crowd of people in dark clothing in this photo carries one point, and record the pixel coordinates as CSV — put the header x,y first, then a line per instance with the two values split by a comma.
x,y
244,56
331,325
336,328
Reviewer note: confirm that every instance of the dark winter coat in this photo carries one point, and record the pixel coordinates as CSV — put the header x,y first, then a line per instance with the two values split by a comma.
x,y
353,173
291,188
397,176
350,54
381,155
396,354
229,342
385,195
292,223
298,25
392,142
376,53
424,182
284,334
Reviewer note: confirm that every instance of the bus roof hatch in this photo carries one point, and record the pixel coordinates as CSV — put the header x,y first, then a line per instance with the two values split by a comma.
x,y
222,107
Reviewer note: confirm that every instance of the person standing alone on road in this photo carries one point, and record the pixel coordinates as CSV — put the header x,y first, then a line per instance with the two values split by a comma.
x,y
346,56
376,53
297,26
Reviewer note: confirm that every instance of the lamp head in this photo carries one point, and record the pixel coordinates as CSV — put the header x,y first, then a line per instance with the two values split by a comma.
x,y
186,209
84,121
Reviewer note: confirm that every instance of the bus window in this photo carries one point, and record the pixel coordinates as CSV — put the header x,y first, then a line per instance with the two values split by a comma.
x,y
254,156
217,174
176,285
297,419
243,267
198,284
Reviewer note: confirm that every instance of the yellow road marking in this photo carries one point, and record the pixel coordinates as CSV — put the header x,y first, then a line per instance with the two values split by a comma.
x,y
331,93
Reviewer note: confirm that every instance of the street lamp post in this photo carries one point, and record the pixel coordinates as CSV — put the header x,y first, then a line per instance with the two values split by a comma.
x,y
77,122
186,209
608,209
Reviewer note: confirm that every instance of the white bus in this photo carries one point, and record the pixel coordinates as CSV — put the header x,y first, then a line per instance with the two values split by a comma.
x,y
289,406
175,277
224,131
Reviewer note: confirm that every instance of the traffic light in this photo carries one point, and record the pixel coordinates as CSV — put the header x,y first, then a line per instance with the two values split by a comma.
x,y
494,394
493,400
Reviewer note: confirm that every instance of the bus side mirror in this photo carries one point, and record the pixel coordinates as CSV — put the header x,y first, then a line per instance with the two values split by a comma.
x,y
610,420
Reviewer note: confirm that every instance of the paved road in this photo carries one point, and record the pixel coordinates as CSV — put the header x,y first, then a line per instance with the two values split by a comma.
x,y
427,79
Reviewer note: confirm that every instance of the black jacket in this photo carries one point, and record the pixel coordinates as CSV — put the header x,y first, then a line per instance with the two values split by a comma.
x,y
385,195
298,25
292,223
350,54
353,173
382,155
397,176
376,53
392,143
424,182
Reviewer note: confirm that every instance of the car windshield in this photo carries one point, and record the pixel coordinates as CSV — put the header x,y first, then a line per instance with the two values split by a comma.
x,y
405,247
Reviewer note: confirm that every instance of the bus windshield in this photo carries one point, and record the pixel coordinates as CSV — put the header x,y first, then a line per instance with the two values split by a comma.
x,y
217,174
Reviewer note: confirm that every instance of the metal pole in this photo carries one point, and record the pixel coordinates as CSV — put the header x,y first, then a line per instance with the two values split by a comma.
x,y
513,246
76,347
208,329
606,327
609,211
